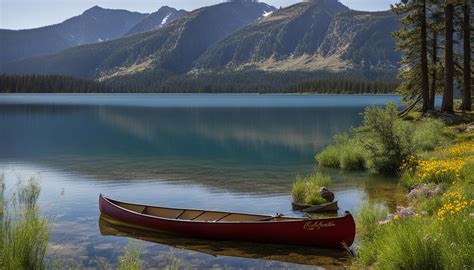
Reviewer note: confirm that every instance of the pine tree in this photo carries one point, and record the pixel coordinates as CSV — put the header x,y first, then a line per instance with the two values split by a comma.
x,y
466,29
412,40
448,95
435,27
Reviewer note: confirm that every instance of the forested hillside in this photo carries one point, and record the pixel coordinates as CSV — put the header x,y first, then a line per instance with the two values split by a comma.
x,y
230,82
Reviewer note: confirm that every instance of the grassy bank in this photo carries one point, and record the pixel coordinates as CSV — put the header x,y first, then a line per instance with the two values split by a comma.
x,y
383,142
435,161
436,229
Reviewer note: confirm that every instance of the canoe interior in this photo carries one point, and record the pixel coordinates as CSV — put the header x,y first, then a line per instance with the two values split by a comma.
x,y
197,215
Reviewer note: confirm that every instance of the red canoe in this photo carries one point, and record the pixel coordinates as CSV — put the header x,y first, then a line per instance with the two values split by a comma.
x,y
323,232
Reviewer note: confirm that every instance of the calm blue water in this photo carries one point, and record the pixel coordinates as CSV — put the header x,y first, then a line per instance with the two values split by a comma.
x,y
225,152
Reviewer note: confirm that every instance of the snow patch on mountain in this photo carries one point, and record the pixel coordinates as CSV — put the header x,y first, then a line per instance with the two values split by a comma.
x,y
165,19
267,13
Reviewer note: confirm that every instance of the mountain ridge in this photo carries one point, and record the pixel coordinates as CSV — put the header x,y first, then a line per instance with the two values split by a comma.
x,y
173,47
157,19
93,25
315,38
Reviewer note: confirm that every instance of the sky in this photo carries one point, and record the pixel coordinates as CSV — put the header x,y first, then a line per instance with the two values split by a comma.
x,y
25,14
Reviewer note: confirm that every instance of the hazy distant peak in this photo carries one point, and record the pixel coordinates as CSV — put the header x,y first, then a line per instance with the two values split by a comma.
x,y
328,3
157,19
93,9
243,1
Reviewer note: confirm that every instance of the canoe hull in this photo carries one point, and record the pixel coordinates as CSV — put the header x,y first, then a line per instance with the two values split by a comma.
x,y
307,208
328,232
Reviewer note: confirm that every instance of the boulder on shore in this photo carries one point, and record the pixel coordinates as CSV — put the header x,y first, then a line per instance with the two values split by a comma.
x,y
326,194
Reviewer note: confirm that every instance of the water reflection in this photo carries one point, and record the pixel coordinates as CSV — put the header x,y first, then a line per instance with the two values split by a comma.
x,y
289,254
237,145
256,134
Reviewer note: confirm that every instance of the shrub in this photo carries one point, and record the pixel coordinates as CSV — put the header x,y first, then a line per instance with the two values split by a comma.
x,y
428,134
329,157
353,157
387,138
306,189
347,154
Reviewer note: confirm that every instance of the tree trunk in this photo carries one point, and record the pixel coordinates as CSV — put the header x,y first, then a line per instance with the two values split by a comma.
x,y
424,60
448,59
466,100
434,62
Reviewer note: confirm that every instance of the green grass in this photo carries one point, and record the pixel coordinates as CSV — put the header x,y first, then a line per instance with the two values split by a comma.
x,y
329,157
467,172
367,218
306,189
314,198
419,243
429,205
25,233
130,260
353,157
347,154
428,134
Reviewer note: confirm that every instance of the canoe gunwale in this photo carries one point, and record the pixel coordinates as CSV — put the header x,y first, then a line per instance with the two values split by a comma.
x,y
288,219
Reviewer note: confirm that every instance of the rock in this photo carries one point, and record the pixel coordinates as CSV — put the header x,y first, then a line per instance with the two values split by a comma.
x,y
326,194
466,128
382,222
405,212
423,191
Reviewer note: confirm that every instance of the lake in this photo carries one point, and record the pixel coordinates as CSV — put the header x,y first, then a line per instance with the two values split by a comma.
x,y
220,152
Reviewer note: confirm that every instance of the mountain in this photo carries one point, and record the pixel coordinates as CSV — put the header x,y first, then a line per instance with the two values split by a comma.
x,y
313,35
172,48
94,25
237,46
157,20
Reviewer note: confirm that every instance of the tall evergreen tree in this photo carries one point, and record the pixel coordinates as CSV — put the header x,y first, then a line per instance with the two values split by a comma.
x,y
424,56
448,96
466,29
435,27
412,40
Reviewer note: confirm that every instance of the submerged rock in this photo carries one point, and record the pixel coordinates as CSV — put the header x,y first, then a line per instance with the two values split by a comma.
x,y
326,194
